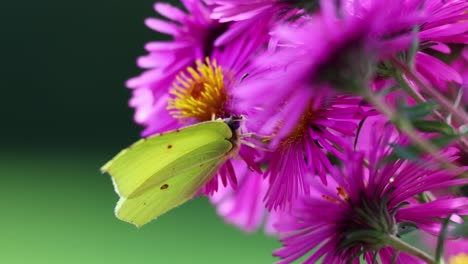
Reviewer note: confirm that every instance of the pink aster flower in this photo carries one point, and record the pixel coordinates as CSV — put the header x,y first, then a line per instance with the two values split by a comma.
x,y
199,93
207,68
359,212
192,39
326,127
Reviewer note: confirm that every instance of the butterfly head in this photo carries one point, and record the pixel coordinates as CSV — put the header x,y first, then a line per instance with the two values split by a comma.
x,y
234,122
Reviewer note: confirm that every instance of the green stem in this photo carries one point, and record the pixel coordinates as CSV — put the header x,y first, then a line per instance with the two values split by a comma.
x,y
408,89
403,246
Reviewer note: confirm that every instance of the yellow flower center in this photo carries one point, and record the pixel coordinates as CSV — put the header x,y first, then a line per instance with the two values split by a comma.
x,y
459,259
201,95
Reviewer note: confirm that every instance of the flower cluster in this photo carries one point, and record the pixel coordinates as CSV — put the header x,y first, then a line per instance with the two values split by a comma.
x,y
358,108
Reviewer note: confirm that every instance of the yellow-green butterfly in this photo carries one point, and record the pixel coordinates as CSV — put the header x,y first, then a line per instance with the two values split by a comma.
x,y
160,172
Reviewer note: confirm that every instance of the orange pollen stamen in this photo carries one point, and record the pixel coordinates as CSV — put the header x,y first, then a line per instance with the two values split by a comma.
x,y
341,193
200,95
330,199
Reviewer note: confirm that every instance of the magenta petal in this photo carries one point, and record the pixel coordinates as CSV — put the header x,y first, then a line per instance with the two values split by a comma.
x,y
170,12
163,26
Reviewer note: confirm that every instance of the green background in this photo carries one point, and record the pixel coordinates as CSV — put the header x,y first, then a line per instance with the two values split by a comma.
x,y
64,112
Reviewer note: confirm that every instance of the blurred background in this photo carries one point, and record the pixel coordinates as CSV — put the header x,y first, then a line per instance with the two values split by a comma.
x,y
64,114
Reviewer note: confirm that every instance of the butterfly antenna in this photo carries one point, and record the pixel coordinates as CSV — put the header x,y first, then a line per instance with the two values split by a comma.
x,y
233,101
252,145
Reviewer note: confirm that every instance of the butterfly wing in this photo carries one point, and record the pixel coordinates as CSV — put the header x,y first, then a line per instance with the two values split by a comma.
x,y
163,171
155,159
173,191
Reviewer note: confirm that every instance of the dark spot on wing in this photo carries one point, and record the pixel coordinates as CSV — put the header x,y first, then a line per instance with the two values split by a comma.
x,y
169,146
164,186
177,130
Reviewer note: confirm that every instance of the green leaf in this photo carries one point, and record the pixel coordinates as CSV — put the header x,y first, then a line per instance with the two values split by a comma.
x,y
433,126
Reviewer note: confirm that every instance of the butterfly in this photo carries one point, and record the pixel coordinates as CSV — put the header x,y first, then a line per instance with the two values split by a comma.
x,y
161,172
